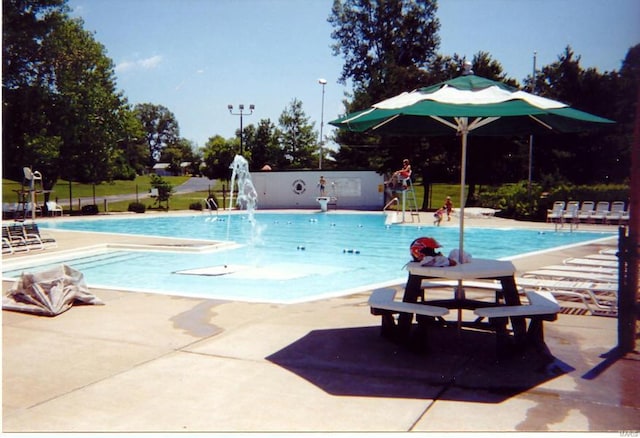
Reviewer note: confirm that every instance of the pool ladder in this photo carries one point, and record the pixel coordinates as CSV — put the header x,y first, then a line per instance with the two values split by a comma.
x,y
408,202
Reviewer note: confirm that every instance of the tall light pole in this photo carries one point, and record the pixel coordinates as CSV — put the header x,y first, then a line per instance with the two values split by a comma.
x,y
322,82
241,114
533,90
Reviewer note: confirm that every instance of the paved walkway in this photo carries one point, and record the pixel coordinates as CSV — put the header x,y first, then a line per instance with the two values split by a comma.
x,y
152,363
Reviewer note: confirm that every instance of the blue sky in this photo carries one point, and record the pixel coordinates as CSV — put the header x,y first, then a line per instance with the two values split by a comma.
x,y
197,56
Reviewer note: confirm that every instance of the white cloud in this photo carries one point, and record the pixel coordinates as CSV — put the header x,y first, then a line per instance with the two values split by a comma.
x,y
139,64
150,63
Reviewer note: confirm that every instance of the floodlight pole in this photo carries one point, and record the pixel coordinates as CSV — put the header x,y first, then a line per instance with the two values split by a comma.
x,y
241,113
322,82
533,89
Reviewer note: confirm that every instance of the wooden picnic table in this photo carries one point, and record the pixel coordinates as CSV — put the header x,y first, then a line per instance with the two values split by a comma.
x,y
501,270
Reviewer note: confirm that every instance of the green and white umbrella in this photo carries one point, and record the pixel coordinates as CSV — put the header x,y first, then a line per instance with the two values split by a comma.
x,y
468,105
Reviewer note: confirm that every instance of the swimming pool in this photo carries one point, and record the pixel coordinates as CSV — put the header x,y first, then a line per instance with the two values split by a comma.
x,y
281,258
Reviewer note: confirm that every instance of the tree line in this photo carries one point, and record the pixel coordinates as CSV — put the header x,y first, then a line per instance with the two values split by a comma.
x,y
392,46
63,114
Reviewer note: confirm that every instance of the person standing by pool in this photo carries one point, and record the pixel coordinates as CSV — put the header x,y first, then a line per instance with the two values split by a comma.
x,y
438,216
322,184
448,205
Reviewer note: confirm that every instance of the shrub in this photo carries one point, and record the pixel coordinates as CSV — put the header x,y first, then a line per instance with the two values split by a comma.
x,y
89,209
137,207
195,206
513,200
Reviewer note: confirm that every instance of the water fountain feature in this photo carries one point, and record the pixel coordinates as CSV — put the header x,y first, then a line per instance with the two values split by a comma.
x,y
247,198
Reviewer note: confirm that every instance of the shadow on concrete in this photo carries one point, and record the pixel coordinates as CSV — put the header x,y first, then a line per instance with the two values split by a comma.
x,y
359,362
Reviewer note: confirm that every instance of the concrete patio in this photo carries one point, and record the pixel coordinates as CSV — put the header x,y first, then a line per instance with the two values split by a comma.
x,y
152,363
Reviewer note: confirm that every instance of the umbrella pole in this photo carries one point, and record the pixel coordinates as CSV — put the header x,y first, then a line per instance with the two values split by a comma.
x,y
460,295
463,172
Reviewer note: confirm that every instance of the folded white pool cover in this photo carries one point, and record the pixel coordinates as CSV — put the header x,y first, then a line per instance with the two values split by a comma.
x,y
49,292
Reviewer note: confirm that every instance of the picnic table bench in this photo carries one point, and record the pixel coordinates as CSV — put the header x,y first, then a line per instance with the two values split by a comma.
x,y
506,308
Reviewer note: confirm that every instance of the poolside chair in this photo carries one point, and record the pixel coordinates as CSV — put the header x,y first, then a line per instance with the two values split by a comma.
x,y
555,214
53,208
16,241
600,256
626,217
571,275
570,214
598,298
582,268
583,261
31,228
586,211
600,214
31,239
6,246
615,214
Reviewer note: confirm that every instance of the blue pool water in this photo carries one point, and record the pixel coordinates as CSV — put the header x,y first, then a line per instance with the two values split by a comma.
x,y
281,257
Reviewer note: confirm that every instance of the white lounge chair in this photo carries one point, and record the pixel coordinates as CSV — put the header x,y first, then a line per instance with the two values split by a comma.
x,y
616,212
46,241
598,298
7,248
553,274
581,268
570,214
30,238
556,212
591,262
626,217
576,286
600,214
599,256
15,241
586,211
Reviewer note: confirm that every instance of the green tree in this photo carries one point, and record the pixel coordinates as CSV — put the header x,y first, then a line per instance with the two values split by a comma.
x,y
297,137
132,154
178,153
165,189
385,44
262,144
88,110
387,47
160,128
61,113
587,157
218,154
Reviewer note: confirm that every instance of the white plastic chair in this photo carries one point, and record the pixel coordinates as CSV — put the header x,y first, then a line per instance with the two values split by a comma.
x,y
53,208
586,211
602,210
616,212
556,211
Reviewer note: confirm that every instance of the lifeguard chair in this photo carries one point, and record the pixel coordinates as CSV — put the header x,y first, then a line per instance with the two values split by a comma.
x,y
28,198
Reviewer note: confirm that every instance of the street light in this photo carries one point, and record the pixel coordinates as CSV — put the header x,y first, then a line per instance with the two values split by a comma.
x,y
241,113
533,90
322,82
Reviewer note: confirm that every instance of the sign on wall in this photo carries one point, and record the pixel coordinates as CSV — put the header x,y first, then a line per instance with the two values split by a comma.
x,y
358,190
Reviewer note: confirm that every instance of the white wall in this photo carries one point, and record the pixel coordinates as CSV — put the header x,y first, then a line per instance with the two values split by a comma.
x,y
359,190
